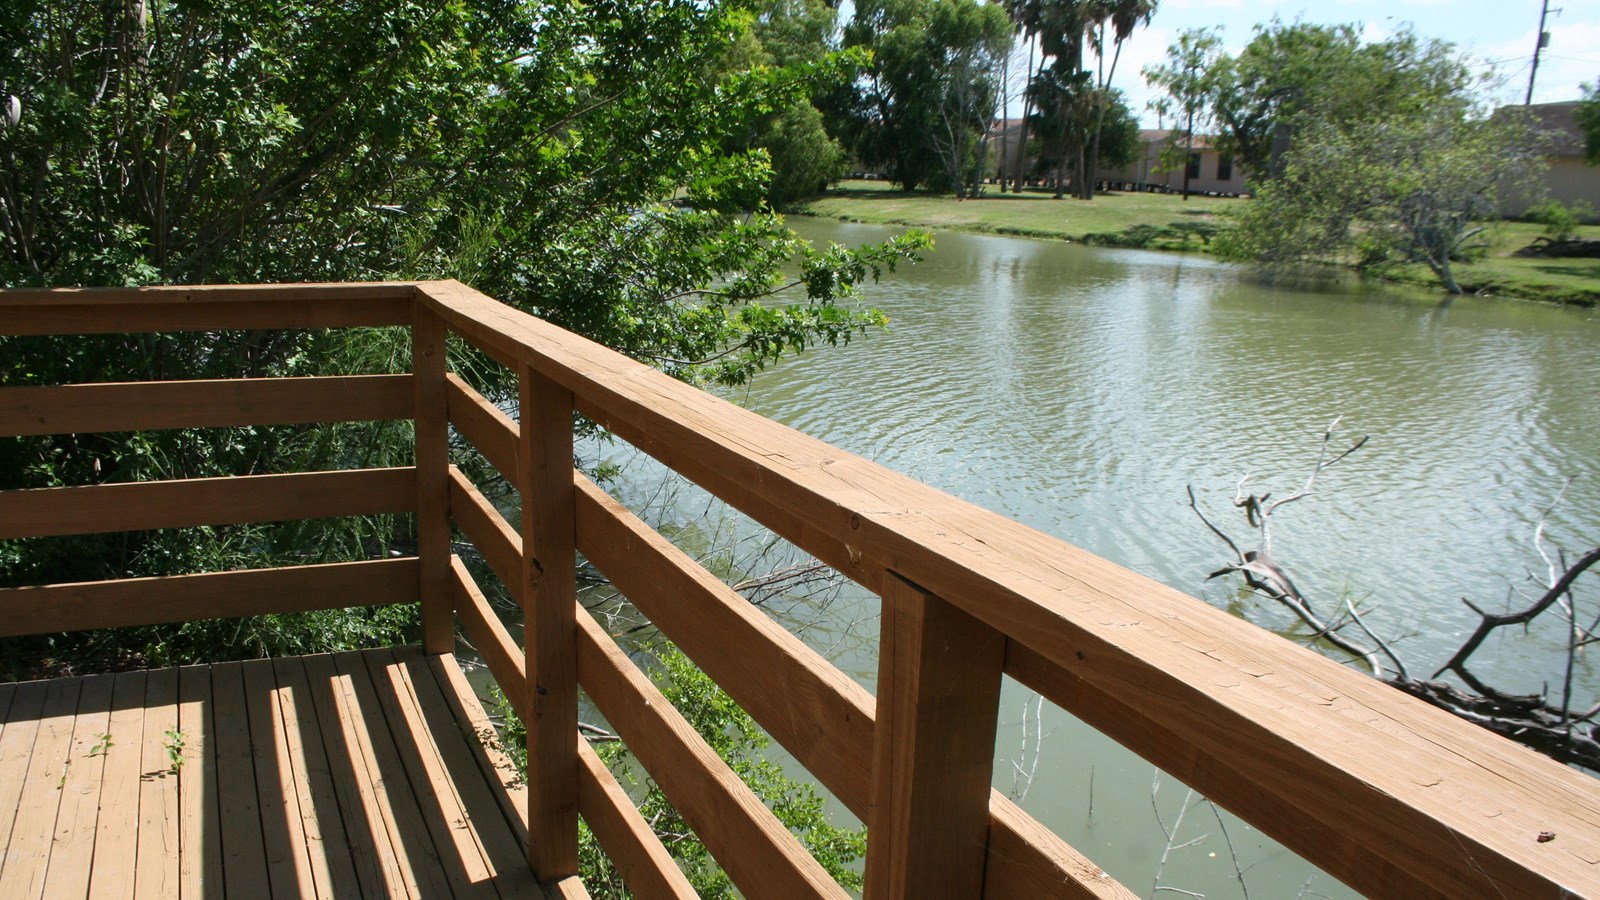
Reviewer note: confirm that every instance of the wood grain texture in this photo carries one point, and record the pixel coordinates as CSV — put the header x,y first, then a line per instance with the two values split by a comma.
x,y
72,849
156,872
627,839
153,405
433,481
487,530
548,590
141,505
202,308
27,852
116,829
183,598
933,754
1322,738
759,854
483,425
490,637
453,734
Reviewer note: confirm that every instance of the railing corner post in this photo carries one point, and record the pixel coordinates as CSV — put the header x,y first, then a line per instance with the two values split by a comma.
x,y
433,480
550,627
933,749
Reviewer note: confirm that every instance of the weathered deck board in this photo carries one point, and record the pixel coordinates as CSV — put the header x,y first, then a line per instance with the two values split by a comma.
x,y
327,776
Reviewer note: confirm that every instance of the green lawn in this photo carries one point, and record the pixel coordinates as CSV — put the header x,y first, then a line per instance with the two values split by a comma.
x,y
1032,214
1170,222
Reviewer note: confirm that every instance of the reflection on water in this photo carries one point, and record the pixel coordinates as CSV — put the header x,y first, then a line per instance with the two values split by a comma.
x,y
1080,391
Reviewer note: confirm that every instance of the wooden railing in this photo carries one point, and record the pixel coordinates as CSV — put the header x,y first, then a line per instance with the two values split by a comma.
x,y
1390,795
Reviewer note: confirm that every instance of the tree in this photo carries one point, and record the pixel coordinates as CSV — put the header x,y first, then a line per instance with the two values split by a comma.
x,y
969,42
928,96
793,41
1122,17
1186,79
1073,100
1298,77
1410,189
571,160
1588,116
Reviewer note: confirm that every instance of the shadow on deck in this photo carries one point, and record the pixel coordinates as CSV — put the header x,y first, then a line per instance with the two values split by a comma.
x,y
357,774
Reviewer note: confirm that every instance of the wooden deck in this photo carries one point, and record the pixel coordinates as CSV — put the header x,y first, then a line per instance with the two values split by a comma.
x,y
357,774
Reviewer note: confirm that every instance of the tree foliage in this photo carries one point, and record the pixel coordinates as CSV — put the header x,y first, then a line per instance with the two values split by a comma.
x,y
1588,116
580,161
925,104
1299,77
1073,99
1403,189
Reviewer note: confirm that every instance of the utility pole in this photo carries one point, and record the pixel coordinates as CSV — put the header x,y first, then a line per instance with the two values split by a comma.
x,y
1539,43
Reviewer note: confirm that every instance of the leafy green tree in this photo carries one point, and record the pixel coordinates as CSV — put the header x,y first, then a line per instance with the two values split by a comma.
x,y
793,40
928,96
570,159
1186,79
967,42
1297,78
1408,189
1588,116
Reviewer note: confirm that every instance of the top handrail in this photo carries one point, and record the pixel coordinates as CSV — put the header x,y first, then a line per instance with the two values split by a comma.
x,y
64,311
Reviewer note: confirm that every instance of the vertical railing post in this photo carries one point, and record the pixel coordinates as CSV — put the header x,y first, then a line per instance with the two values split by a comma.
x,y
433,480
933,748
550,630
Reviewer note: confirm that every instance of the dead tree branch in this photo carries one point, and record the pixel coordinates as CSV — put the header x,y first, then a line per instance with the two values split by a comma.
x,y
1553,728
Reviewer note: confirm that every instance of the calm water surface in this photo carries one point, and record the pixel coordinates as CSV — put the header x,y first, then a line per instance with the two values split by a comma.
x,y
1081,390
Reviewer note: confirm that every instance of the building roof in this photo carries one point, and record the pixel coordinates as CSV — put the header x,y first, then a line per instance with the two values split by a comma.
x,y
1558,122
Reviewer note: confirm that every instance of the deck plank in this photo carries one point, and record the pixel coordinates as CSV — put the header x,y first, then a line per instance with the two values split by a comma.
x,y
424,865
156,871
288,863
16,749
453,738
73,851
377,865
319,800
200,847
27,855
511,791
348,775
447,820
244,860
116,830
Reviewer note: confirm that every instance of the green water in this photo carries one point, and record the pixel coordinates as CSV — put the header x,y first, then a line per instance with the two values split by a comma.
x,y
1080,390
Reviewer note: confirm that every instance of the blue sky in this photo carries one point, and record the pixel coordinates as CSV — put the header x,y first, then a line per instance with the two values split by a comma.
x,y
1496,35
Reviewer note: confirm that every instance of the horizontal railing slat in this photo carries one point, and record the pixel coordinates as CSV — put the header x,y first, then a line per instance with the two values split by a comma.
x,y
152,405
214,595
490,637
817,712
202,308
759,854
489,531
628,840
142,505
484,425
626,837
1325,733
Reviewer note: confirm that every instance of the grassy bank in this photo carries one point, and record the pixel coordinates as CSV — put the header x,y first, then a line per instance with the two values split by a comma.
x,y
1168,222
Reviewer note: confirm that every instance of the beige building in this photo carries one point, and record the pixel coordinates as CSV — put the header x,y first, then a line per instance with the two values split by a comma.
x,y
1209,171
1568,179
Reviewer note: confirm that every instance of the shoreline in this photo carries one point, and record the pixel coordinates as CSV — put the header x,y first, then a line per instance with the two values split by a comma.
x,y
1135,221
